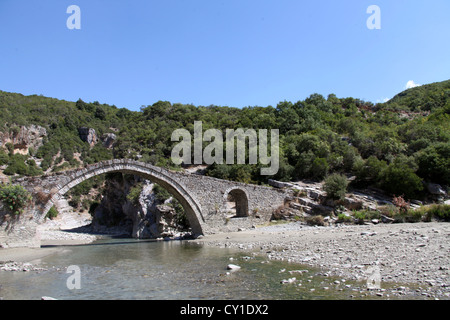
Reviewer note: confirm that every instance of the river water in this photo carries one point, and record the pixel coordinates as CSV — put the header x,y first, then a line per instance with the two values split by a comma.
x,y
135,269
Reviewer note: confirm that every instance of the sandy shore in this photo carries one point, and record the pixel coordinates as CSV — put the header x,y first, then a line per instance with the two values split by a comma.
x,y
25,255
51,243
403,253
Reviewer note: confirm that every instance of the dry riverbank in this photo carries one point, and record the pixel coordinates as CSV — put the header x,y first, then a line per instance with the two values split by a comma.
x,y
404,253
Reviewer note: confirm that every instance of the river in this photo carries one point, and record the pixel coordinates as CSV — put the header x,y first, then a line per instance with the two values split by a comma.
x,y
132,269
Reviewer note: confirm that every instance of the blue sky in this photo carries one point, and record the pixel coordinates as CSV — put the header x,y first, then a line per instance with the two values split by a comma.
x,y
224,52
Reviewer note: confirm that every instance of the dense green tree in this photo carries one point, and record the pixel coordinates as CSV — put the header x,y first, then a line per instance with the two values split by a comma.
x,y
369,172
400,179
4,158
434,163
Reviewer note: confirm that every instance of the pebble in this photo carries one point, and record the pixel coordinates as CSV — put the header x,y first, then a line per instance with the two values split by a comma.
x,y
18,266
233,267
288,281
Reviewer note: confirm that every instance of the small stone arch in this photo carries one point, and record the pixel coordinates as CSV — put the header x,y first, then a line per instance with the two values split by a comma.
x,y
238,196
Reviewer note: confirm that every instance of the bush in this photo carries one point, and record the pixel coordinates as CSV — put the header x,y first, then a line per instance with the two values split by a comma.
x,y
401,204
4,158
161,194
440,211
369,172
400,179
52,213
16,165
336,186
360,216
315,221
436,211
343,218
414,216
15,197
134,194
319,168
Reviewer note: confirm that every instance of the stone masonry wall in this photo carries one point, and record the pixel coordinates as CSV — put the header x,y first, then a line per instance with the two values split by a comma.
x,y
205,198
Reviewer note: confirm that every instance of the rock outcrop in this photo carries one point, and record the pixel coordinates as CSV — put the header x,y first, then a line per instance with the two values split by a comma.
x,y
24,137
144,218
88,135
108,140
309,199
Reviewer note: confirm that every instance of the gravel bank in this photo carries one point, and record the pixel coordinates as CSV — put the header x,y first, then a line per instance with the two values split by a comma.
x,y
403,253
61,238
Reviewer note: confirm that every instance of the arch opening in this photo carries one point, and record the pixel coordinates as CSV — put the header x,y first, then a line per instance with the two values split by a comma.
x,y
237,203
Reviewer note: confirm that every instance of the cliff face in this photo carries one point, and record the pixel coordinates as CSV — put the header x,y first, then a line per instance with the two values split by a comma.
x,y
145,218
23,137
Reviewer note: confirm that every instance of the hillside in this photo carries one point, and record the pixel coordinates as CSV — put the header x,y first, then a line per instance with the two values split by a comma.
x,y
376,144
423,98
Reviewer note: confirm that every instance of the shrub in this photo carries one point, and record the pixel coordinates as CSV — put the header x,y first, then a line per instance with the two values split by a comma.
x,y
360,216
4,158
16,165
401,204
52,213
299,193
414,216
343,218
319,168
441,211
336,186
161,193
369,172
74,201
388,210
315,221
437,211
134,194
15,197
400,179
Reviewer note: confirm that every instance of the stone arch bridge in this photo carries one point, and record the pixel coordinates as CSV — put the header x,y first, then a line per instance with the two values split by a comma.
x,y
203,198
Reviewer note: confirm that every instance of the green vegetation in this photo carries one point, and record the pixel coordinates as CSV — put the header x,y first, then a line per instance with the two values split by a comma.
x,y
14,197
394,146
52,213
440,212
437,211
336,186
134,193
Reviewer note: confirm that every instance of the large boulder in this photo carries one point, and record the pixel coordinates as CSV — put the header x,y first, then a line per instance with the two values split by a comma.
x,y
108,140
88,135
435,189
279,184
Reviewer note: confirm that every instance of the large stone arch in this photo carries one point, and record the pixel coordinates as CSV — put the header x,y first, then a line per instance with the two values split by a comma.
x,y
161,176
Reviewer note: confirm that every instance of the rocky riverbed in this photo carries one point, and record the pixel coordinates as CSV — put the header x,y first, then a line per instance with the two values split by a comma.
x,y
416,254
